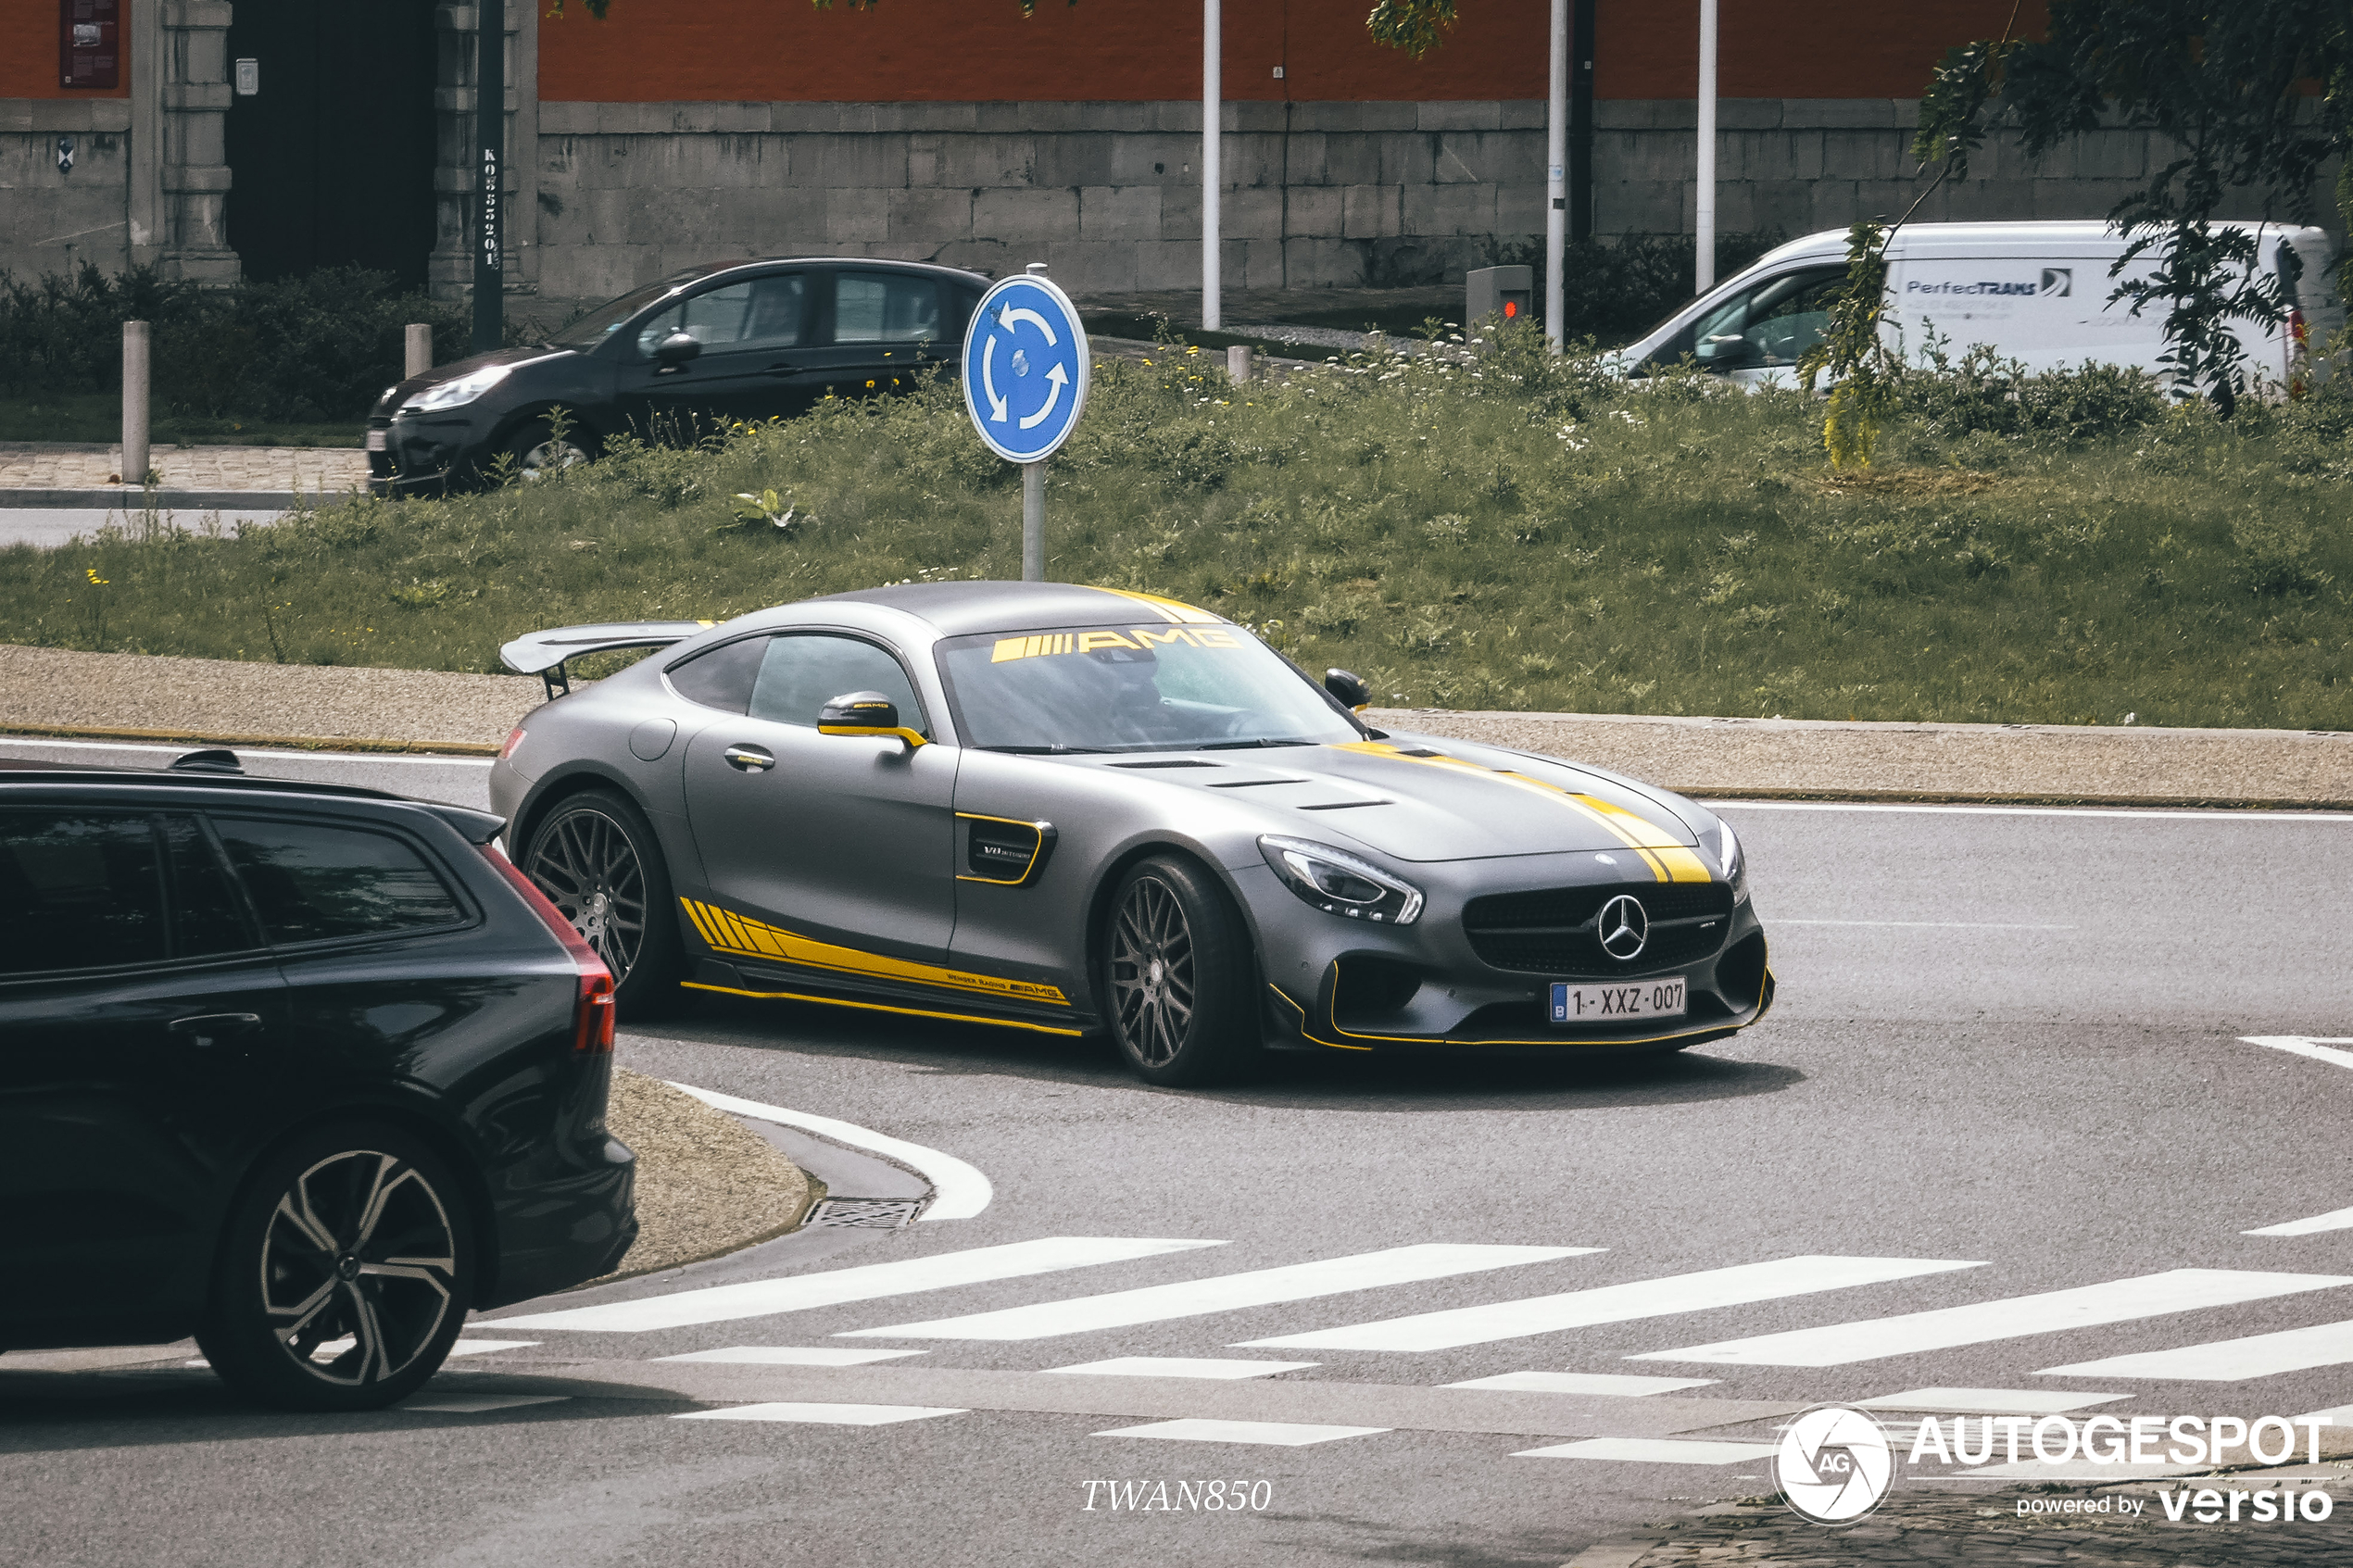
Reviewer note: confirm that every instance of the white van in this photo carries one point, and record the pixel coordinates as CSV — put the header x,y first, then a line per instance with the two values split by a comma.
x,y
2036,292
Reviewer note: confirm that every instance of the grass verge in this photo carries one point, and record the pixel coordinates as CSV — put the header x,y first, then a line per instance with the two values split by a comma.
x,y
97,417
1518,533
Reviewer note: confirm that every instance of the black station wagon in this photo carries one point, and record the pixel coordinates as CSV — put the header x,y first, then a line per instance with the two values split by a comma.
x,y
307,1070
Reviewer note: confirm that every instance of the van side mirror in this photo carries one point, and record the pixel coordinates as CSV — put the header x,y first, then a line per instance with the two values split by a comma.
x,y
1350,688
864,713
676,350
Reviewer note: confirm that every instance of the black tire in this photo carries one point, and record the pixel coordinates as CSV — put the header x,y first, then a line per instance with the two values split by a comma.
x,y
594,855
538,452
1178,977
355,1231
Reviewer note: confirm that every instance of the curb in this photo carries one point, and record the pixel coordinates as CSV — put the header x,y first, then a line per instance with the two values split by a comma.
x,y
289,743
131,498
1924,798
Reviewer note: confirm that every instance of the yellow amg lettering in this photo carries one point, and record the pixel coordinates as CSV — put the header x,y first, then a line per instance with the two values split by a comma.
x,y
1090,641
1010,647
1211,637
1145,634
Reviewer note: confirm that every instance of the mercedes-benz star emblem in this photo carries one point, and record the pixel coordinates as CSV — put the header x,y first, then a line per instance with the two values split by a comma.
x,y
1625,926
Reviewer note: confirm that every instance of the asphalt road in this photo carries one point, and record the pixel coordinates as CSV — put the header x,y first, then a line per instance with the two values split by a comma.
x,y
2009,1040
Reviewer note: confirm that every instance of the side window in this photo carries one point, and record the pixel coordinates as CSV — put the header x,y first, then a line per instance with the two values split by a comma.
x,y
311,881
78,890
885,308
1769,324
207,916
801,673
762,313
723,677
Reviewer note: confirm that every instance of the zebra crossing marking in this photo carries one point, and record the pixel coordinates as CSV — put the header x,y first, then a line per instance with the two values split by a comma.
x,y
1174,1366
793,1355
2227,1361
1989,1401
869,1281
1653,1450
2089,1306
1225,1293
1618,1383
1737,1285
2335,1220
1277,1434
816,1414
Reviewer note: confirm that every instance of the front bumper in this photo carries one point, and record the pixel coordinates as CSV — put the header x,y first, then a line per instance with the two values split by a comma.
x,y
410,454
1334,983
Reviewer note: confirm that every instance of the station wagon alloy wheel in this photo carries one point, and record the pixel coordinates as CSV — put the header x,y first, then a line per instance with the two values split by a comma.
x,y
345,1271
359,1248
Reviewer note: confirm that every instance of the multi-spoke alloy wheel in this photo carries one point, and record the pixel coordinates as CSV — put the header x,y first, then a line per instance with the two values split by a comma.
x,y
344,1274
597,859
538,451
1178,975
583,860
1152,972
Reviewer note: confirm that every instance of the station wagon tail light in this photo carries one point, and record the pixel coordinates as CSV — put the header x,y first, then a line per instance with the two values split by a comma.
x,y
1340,883
592,1015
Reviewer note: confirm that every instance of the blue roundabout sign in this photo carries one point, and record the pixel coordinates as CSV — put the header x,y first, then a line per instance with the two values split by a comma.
x,y
1026,364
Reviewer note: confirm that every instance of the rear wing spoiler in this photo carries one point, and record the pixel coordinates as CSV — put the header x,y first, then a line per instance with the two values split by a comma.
x,y
544,653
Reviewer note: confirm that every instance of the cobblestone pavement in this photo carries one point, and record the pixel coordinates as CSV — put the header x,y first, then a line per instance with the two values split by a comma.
x,y
56,465
1975,1526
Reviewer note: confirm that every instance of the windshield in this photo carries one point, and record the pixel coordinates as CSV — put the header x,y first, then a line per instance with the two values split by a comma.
x,y
1133,688
608,317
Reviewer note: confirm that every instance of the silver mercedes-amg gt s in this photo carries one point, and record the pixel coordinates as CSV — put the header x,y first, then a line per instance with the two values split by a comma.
x,y
1076,810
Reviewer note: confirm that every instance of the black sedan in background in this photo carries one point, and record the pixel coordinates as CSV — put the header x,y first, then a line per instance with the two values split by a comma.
x,y
726,340
307,1070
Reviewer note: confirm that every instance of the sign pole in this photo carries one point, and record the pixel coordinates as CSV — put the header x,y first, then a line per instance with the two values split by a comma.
x,y
1704,204
1212,179
1033,523
490,185
1555,173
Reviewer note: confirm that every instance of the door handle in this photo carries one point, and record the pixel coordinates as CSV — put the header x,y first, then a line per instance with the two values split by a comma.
x,y
209,1026
749,759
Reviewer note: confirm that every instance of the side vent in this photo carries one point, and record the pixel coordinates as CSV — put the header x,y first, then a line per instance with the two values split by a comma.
x,y
1004,850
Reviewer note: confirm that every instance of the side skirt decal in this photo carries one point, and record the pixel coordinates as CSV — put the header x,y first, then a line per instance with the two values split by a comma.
x,y
879,1007
727,932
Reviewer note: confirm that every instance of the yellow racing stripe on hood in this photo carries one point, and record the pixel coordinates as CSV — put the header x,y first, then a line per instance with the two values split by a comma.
x,y
1668,861
1175,611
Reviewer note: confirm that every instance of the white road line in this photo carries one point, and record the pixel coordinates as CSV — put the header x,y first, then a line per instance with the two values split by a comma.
x,y
793,1355
1930,924
2219,814
870,1282
2118,1301
2336,1415
1618,1383
1611,1303
482,1404
484,1346
1653,1450
2314,1046
821,1414
1183,1366
1989,1401
1225,1293
957,1191
2336,1219
244,751
1280,1434
2227,1361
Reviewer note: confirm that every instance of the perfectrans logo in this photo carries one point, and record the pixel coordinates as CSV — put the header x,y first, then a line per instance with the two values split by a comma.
x,y
1834,1464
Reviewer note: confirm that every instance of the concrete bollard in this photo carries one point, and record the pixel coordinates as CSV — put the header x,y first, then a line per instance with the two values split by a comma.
x,y
134,402
419,357
1238,363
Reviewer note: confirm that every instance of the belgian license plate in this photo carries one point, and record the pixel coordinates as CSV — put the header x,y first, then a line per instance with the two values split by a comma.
x,y
376,440
1608,1004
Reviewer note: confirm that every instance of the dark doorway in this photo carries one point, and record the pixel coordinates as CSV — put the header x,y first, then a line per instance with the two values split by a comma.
x,y
332,160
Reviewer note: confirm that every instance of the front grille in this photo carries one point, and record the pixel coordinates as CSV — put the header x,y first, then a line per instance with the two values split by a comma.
x,y
1551,931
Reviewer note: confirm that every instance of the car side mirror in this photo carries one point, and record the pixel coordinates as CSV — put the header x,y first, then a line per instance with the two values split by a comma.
x,y
676,350
1350,688
864,713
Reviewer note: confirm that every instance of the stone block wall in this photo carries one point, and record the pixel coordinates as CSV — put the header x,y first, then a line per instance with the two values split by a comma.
x,y
1318,194
59,217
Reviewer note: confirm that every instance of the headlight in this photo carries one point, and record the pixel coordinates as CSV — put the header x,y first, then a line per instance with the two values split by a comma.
x,y
1728,857
1340,883
455,394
